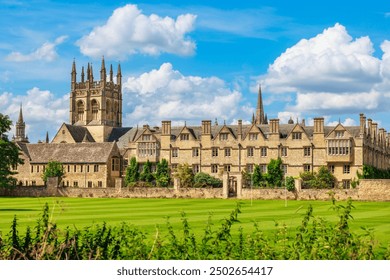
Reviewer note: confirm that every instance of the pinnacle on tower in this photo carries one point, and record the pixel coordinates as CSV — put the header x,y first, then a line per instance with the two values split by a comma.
x,y
103,71
47,137
111,74
20,128
82,74
20,119
119,75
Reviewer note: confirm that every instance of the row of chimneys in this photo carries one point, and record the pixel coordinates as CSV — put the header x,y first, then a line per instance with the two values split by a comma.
x,y
318,127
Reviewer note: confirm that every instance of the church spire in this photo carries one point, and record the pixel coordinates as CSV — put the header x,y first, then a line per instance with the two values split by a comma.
x,y
119,76
259,109
111,74
21,128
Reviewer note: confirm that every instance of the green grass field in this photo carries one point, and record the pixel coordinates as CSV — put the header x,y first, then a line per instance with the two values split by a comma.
x,y
146,214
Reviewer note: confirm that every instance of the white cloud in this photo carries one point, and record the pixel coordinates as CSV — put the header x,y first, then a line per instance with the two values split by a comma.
x,y
329,62
129,31
42,111
346,122
46,52
166,94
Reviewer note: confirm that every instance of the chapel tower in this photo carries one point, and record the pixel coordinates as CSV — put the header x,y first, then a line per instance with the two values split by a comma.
x,y
260,117
97,105
20,126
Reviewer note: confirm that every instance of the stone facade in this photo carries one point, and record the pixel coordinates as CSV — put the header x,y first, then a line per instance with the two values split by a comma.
x,y
96,121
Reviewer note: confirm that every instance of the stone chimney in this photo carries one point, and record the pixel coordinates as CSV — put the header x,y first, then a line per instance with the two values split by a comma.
x,y
166,128
239,132
319,125
206,127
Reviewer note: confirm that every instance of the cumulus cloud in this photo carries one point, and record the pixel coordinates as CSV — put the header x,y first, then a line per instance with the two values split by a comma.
x,y
166,94
42,111
331,61
332,73
129,31
46,52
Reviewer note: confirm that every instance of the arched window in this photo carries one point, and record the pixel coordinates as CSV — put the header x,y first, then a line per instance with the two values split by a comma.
x,y
95,109
80,110
108,110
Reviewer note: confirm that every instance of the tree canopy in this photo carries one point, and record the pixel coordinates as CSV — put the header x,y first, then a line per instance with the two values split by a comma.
x,y
9,154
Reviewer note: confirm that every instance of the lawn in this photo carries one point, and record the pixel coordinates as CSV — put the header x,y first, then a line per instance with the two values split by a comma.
x,y
147,214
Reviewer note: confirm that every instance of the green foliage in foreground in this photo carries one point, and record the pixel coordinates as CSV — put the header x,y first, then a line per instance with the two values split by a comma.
x,y
315,238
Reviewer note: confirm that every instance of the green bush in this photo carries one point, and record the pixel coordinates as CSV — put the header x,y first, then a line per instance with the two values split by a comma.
x,y
132,173
162,174
290,183
185,175
146,174
53,169
324,179
203,180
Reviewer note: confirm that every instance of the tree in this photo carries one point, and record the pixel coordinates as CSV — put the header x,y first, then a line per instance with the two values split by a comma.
x,y
275,172
162,173
325,178
9,154
257,177
53,169
146,174
132,173
203,180
185,175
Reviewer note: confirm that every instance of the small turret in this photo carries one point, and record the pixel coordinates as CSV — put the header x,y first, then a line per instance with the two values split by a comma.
x,y
119,76
111,74
103,71
82,74
74,75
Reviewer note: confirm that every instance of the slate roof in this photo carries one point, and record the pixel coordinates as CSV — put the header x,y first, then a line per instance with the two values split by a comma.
x,y
118,132
78,133
70,152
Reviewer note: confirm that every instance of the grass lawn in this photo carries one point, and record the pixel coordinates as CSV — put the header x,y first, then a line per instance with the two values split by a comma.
x,y
146,214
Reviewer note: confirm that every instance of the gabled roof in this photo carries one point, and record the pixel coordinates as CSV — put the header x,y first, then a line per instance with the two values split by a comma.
x,y
118,132
70,152
253,128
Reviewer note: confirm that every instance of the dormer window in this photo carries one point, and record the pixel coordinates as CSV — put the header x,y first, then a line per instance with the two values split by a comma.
x,y
184,136
223,136
339,134
146,137
253,136
297,135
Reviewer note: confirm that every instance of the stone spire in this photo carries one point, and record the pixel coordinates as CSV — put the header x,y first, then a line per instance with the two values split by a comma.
x,y
259,109
103,71
20,128
119,76
73,74
47,137
111,74
82,74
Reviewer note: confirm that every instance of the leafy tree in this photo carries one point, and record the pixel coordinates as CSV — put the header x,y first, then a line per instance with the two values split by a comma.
x,y
146,174
325,179
184,173
257,177
162,173
290,183
53,169
275,172
9,154
132,173
202,180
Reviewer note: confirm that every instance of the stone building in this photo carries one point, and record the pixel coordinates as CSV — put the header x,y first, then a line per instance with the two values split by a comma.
x,y
96,125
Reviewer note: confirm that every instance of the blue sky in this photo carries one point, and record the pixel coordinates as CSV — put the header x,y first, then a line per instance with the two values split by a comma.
x,y
195,60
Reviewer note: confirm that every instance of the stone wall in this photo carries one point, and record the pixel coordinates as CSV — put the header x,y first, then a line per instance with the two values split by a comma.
x,y
370,190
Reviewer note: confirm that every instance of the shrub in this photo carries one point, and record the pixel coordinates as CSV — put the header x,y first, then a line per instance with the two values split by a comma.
x,y
146,174
162,174
275,173
203,180
324,179
185,175
257,177
290,183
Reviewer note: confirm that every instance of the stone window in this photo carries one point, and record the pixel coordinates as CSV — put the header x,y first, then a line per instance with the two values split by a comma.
x,y
95,109
146,137
37,168
214,152
263,168
306,151
68,168
75,184
339,134
250,151
249,168
227,167
223,136
33,183
175,152
195,152
74,168
347,169
297,135
339,147
228,152
214,168
263,151
184,136
115,164
283,151
100,184
346,184
89,184
306,167
32,169
80,110
96,168
331,169
195,168
81,168
253,136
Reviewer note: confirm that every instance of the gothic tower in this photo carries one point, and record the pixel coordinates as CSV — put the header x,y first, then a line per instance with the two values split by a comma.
x,y
260,118
20,129
96,104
